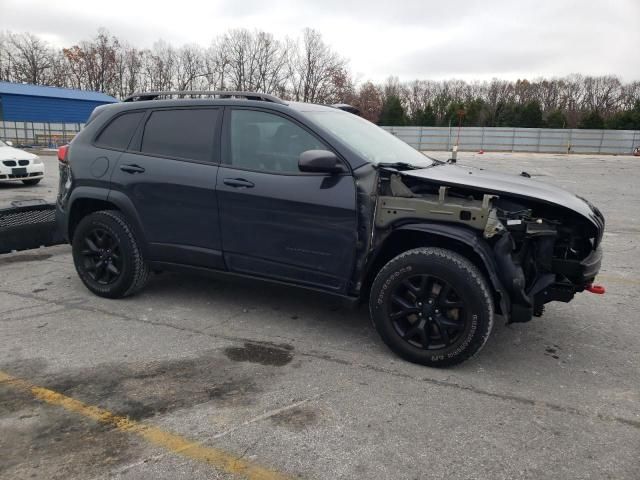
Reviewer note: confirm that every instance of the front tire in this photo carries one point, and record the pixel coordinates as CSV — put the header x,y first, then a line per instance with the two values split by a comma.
x,y
107,256
432,306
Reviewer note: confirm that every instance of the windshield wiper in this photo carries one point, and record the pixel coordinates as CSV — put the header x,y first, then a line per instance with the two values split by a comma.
x,y
401,165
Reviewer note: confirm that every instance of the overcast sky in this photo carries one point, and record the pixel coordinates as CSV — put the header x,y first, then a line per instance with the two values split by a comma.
x,y
465,39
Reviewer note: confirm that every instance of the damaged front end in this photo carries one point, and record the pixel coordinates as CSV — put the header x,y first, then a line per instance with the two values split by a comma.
x,y
544,246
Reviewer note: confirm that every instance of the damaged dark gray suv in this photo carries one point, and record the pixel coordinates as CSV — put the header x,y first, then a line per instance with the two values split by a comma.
x,y
317,197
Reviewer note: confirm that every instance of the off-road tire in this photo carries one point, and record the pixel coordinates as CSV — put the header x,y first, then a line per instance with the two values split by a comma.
x,y
464,277
135,270
31,182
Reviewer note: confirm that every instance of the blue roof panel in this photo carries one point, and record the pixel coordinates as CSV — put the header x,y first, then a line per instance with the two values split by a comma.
x,y
11,88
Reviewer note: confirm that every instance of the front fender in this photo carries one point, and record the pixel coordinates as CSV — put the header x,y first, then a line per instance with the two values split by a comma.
x,y
479,247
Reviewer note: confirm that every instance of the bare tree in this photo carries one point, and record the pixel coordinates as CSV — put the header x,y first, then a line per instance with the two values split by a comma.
x,y
30,59
304,69
313,65
369,101
128,69
190,68
159,67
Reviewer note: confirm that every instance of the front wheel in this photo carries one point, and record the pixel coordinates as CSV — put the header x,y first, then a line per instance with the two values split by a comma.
x,y
432,306
107,255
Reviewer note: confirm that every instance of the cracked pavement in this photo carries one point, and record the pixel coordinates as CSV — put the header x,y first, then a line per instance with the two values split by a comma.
x,y
298,383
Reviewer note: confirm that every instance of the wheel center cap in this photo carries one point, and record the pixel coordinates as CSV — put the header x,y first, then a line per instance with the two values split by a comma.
x,y
428,308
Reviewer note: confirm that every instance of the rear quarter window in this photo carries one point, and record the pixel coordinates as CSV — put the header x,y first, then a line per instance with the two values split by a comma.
x,y
117,134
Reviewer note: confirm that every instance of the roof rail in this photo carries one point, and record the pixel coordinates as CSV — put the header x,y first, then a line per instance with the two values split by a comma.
x,y
139,96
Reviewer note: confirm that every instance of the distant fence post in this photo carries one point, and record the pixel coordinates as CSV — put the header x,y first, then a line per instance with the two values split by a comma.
x,y
482,140
601,142
539,140
513,141
420,140
633,141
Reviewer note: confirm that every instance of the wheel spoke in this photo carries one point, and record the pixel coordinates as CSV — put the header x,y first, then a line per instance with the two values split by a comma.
x,y
113,269
444,293
418,330
404,303
452,304
100,270
419,290
445,302
442,330
92,246
447,322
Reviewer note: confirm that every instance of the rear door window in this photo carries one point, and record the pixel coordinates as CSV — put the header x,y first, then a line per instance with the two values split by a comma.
x,y
184,134
118,133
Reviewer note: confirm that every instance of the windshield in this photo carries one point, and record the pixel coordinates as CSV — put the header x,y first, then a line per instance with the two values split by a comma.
x,y
372,142
2,144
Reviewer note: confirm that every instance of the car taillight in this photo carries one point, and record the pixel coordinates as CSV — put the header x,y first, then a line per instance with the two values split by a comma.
x,y
62,153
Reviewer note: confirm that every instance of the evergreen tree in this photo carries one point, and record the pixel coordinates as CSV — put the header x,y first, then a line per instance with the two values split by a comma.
x,y
424,117
556,119
592,120
392,114
626,120
530,115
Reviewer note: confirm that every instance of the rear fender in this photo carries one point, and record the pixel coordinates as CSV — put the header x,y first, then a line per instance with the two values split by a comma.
x,y
119,200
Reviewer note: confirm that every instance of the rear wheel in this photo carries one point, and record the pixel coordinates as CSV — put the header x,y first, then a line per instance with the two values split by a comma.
x,y
33,181
432,306
107,256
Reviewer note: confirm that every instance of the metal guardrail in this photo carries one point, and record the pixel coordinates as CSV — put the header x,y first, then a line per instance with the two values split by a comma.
x,y
29,134
28,224
544,140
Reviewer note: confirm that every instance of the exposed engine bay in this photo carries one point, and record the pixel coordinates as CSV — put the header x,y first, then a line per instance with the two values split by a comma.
x,y
542,251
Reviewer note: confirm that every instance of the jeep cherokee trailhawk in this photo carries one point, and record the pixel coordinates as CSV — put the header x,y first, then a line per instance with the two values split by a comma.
x,y
318,197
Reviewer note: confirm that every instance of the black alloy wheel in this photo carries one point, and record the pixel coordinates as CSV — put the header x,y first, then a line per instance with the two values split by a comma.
x,y
107,255
102,256
427,312
432,306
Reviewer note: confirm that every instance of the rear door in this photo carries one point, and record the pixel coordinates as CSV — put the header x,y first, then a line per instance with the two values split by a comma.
x,y
276,221
169,174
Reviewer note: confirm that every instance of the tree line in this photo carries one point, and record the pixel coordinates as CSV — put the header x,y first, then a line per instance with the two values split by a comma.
x,y
307,69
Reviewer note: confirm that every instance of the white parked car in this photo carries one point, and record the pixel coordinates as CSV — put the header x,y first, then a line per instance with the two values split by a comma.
x,y
16,164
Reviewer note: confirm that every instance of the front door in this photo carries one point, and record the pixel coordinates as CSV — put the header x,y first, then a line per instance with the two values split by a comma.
x,y
276,221
169,173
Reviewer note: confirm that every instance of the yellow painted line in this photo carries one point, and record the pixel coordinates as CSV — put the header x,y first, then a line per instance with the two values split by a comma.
x,y
174,443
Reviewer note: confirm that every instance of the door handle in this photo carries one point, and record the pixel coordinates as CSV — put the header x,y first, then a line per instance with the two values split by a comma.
x,y
238,182
132,168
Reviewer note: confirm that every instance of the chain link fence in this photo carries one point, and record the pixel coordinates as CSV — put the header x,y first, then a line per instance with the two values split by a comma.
x,y
544,140
33,134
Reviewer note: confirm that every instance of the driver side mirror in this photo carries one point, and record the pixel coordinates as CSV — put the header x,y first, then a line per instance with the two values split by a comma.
x,y
320,161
